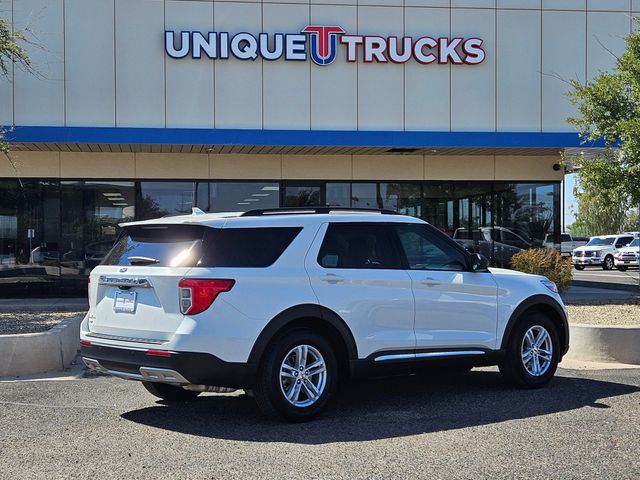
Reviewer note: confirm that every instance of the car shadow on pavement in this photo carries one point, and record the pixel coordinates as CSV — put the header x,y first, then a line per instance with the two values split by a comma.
x,y
384,408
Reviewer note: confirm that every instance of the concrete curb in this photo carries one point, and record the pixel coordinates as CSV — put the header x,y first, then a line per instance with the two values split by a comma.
x,y
600,343
28,353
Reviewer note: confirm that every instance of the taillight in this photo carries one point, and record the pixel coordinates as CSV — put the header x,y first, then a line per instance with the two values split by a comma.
x,y
196,294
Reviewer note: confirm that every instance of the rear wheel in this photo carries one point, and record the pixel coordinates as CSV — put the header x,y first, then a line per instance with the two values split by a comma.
x,y
579,267
532,354
171,393
297,376
608,263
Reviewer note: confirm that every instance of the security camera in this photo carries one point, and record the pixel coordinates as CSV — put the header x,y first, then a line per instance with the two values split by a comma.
x,y
556,167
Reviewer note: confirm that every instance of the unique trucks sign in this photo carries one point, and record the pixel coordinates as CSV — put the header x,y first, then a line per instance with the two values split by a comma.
x,y
321,43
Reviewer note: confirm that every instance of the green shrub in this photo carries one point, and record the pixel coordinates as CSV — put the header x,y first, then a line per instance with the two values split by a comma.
x,y
547,262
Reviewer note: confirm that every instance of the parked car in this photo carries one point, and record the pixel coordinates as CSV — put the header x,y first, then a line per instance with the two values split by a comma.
x,y
567,243
288,303
628,256
499,243
600,251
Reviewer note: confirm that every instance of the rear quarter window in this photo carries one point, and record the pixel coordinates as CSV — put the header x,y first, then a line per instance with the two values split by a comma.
x,y
246,247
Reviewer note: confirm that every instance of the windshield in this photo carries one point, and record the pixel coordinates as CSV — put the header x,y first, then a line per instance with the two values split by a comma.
x,y
595,241
635,243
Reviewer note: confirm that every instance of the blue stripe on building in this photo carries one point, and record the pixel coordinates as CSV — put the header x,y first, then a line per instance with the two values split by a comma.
x,y
318,138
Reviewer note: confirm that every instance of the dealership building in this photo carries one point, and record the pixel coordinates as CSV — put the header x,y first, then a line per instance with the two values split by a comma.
x,y
450,110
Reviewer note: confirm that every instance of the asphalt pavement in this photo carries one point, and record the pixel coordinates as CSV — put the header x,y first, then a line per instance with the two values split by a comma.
x,y
595,277
585,424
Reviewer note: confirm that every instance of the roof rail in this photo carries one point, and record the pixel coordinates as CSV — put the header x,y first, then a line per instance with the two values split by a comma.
x,y
313,210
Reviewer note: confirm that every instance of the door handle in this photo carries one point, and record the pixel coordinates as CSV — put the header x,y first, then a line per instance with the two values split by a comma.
x,y
331,278
431,282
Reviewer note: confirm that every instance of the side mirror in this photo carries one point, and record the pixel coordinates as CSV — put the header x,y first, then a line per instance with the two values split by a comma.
x,y
479,263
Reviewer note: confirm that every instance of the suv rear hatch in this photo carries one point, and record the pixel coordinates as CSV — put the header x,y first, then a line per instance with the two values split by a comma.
x,y
134,294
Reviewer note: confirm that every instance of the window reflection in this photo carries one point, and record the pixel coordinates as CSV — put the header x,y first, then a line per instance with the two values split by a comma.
x,y
243,196
302,196
55,232
29,232
90,214
161,199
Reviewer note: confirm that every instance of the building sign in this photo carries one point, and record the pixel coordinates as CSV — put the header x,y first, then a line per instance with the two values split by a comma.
x,y
321,43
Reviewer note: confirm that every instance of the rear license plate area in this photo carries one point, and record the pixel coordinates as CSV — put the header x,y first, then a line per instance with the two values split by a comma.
x,y
125,302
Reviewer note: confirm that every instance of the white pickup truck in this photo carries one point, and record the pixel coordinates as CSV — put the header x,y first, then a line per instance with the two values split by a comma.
x,y
567,243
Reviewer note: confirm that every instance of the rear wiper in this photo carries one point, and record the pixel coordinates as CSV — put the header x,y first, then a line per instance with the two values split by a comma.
x,y
138,260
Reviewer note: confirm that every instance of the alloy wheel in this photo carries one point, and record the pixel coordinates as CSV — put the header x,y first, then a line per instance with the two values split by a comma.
x,y
537,350
303,376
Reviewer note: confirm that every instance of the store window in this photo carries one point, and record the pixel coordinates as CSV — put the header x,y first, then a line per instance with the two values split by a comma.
x,y
242,196
338,195
160,199
404,198
54,232
29,232
438,206
524,215
90,216
302,196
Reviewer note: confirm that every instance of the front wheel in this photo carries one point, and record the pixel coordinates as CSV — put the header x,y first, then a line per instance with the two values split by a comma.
x,y
297,376
170,393
532,354
622,269
579,267
608,263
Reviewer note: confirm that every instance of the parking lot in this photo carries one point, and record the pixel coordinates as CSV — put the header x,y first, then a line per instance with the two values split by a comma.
x,y
586,424
606,278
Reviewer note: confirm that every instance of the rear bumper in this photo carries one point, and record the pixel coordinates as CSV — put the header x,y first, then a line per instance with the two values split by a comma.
x,y
179,368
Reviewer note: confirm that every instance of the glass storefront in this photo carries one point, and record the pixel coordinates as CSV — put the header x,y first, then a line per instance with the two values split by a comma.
x,y
52,233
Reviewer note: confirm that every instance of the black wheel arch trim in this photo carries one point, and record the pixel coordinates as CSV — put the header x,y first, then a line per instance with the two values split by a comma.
x,y
301,312
530,304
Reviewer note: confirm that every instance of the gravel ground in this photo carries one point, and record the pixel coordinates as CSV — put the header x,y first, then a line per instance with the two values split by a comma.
x,y
625,314
32,322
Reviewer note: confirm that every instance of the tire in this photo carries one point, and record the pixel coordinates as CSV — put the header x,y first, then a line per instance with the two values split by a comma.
x,y
270,388
514,369
623,269
170,393
608,263
579,267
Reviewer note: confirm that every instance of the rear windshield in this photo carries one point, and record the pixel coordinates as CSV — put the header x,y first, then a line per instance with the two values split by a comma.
x,y
158,246
195,245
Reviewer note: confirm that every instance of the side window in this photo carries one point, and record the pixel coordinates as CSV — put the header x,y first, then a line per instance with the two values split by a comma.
x,y
424,251
359,245
565,238
623,241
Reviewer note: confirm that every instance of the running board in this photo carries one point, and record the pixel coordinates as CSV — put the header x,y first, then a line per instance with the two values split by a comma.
x,y
443,354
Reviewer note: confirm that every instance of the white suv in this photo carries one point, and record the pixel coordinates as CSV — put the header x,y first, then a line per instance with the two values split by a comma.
x,y
286,303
